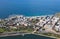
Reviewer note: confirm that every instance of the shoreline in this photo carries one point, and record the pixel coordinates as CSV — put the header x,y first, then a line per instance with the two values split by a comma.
x,y
46,36
27,16
13,34
6,35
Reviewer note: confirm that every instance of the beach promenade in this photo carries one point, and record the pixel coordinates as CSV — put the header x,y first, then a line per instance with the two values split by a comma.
x,y
13,34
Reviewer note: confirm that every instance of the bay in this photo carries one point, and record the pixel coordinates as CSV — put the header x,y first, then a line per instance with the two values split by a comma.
x,y
28,36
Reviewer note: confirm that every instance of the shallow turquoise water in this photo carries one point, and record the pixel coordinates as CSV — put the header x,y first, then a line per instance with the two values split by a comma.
x,y
31,36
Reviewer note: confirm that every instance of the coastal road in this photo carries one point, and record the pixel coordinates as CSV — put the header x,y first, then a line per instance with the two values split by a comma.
x,y
13,33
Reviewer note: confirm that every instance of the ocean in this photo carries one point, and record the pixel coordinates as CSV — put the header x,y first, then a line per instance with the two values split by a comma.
x,y
29,7
28,36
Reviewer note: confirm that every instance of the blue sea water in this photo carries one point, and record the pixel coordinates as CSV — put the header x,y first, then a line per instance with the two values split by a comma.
x,y
29,7
30,36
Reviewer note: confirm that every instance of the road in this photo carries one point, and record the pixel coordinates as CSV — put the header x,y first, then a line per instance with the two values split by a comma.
x,y
13,34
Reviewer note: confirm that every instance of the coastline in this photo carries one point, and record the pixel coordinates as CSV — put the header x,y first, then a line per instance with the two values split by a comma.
x,y
46,36
27,16
13,34
26,34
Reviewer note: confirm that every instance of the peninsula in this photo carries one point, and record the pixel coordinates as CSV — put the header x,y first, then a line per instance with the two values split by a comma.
x,y
48,25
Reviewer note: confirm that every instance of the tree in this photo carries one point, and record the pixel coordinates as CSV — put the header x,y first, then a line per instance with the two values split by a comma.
x,y
1,30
